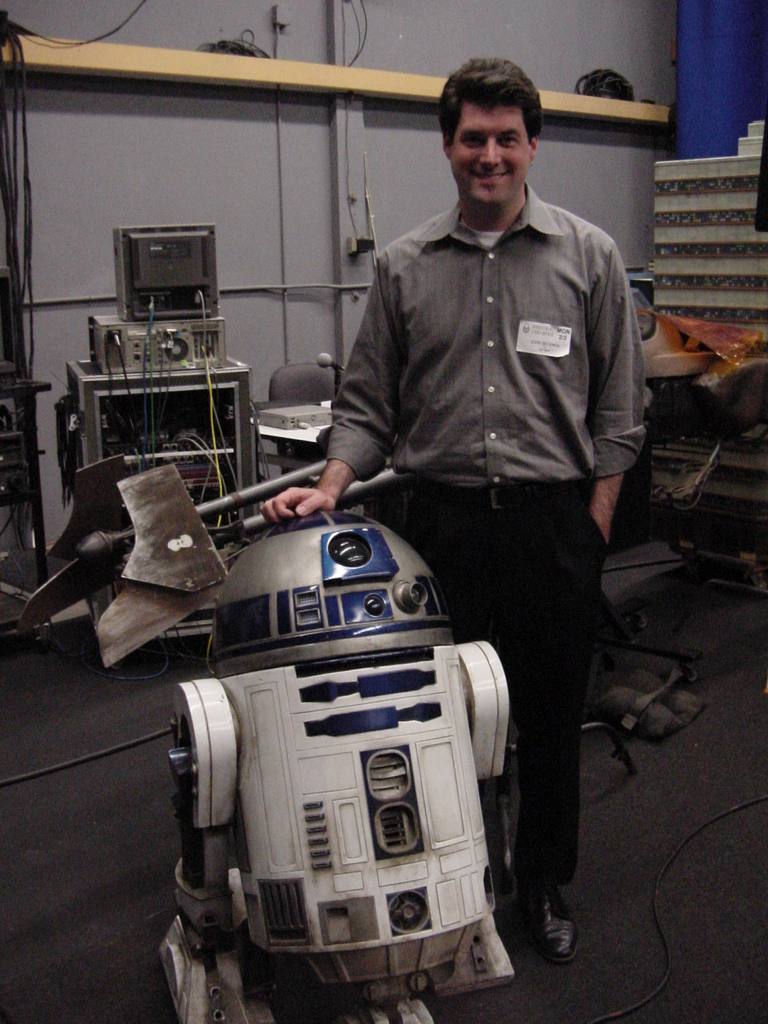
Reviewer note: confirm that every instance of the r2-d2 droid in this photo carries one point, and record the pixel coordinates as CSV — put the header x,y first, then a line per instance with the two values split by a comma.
x,y
334,759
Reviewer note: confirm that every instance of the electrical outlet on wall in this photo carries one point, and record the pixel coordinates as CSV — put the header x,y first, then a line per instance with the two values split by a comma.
x,y
356,245
282,18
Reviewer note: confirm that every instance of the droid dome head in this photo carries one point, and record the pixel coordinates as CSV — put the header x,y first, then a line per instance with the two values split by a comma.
x,y
329,586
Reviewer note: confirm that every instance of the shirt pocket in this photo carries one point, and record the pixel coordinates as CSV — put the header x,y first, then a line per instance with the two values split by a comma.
x,y
547,345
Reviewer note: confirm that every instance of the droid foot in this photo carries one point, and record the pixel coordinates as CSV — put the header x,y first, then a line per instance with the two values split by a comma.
x,y
408,1011
482,962
207,986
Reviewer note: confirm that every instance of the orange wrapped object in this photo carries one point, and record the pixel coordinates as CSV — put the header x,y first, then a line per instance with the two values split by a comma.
x,y
730,342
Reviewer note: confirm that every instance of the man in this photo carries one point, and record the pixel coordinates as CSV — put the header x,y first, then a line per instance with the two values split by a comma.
x,y
499,361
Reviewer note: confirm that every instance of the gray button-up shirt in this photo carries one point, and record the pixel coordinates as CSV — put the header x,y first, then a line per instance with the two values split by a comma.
x,y
478,366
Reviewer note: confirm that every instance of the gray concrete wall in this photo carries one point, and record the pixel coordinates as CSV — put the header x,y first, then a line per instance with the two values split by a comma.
x,y
105,153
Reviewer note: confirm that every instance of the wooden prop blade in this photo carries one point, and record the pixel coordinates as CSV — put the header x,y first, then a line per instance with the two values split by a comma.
x,y
174,568
172,549
140,612
96,505
74,582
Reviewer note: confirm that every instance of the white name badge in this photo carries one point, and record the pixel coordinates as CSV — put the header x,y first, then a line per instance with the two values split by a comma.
x,y
543,339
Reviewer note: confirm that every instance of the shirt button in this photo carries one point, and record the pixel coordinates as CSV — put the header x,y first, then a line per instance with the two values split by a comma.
x,y
492,435
491,389
489,299
491,255
497,479
490,344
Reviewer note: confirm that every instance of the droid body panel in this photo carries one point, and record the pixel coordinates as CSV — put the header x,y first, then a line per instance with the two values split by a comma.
x,y
335,752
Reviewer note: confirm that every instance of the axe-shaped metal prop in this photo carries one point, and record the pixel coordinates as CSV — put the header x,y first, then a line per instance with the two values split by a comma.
x,y
173,568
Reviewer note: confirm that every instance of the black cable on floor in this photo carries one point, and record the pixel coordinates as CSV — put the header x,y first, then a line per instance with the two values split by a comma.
x,y
97,755
618,1014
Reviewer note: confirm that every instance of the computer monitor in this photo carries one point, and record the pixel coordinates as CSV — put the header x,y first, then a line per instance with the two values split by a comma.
x,y
162,271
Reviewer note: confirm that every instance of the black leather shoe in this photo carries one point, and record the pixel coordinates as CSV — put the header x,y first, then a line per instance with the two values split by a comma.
x,y
548,921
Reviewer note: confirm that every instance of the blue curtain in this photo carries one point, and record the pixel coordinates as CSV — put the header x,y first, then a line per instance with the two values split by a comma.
x,y
722,73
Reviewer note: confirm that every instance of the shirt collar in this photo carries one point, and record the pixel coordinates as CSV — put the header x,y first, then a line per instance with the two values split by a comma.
x,y
534,214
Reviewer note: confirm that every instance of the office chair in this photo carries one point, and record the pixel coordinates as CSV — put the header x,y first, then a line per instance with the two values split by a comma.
x,y
299,383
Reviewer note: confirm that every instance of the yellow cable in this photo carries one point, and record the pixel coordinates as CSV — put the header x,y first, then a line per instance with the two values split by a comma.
x,y
213,431
210,402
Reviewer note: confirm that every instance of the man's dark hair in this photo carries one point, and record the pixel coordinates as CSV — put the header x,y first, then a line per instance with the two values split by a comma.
x,y
490,82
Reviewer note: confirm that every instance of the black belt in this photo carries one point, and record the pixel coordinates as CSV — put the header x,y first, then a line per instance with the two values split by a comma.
x,y
503,496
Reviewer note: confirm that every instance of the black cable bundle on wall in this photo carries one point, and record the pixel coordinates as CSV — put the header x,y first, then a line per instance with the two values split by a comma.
x,y
13,121
16,191
605,82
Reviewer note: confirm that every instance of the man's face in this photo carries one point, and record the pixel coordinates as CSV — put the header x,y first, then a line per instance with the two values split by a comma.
x,y
490,154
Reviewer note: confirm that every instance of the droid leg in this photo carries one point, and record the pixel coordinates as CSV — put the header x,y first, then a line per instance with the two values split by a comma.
x,y
504,809
481,962
213,980
505,821
215,973
207,985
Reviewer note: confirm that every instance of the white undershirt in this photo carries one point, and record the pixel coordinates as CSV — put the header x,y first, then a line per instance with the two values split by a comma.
x,y
486,239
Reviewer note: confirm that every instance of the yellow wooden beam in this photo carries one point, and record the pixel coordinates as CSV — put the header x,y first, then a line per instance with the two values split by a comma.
x,y
114,60
570,104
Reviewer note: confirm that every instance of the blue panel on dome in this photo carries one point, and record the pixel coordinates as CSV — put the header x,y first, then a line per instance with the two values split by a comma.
x,y
332,610
243,621
310,522
283,612
345,518
358,553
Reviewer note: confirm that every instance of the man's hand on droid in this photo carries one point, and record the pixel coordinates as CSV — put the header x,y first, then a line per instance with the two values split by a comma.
x,y
296,501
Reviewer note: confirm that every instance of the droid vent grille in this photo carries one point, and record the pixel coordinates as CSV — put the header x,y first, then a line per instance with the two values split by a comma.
x,y
284,912
396,828
389,777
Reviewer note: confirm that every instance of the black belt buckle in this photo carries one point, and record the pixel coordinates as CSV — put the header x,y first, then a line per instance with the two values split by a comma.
x,y
496,494
514,495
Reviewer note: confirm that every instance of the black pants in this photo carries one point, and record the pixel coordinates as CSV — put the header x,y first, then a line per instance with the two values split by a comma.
x,y
528,576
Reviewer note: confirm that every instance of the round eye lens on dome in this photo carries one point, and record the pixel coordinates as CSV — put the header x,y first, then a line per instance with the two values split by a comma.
x,y
350,550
